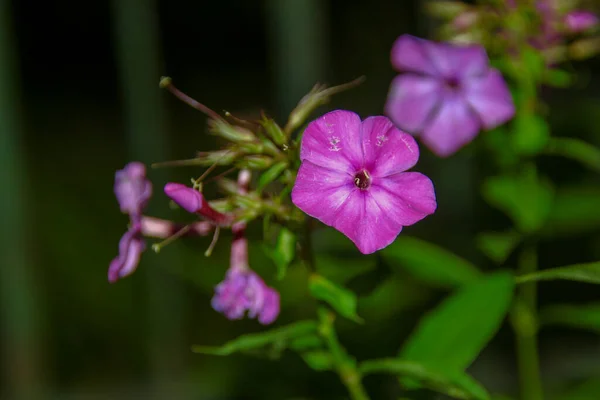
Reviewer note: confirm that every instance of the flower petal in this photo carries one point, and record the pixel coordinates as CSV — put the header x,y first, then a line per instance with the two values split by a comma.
x,y
490,98
405,198
454,126
411,100
270,309
187,198
458,62
409,54
387,149
365,223
334,141
319,191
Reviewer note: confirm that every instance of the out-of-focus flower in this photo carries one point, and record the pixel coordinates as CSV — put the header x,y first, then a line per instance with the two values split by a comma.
x,y
244,291
131,247
192,201
132,189
578,21
445,93
353,178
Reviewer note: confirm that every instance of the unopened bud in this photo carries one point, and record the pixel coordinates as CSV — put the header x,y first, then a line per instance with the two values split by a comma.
x,y
233,133
218,157
255,162
273,130
445,9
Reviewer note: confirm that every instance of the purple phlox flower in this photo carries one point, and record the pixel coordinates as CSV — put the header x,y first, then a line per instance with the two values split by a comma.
x,y
578,21
132,189
445,93
244,291
353,178
131,247
193,201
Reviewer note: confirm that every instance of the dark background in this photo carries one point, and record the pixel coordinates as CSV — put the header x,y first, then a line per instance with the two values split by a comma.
x,y
80,98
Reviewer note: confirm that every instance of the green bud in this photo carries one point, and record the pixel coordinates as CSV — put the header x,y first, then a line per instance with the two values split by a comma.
x,y
584,48
445,9
273,130
233,133
228,186
255,162
219,157
271,174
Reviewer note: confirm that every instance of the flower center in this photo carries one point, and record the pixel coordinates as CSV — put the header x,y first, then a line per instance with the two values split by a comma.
x,y
452,82
362,180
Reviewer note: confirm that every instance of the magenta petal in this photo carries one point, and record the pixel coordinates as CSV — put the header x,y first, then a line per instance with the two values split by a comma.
x,y
187,198
457,62
578,21
454,126
131,247
387,149
270,309
490,98
319,191
411,100
334,141
409,54
365,223
405,198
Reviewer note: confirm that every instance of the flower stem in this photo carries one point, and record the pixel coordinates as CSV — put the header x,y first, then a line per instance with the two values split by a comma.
x,y
344,364
525,324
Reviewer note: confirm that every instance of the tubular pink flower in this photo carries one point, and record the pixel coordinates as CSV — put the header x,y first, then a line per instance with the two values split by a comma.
x,y
353,178
445,93
192,201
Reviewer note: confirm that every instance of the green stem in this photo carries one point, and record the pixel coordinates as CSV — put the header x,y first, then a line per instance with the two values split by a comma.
x,y
525,325
345,365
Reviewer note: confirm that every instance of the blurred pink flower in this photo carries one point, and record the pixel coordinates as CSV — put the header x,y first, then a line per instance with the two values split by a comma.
x,y
353,178
445,93
578,21
132,189
131,247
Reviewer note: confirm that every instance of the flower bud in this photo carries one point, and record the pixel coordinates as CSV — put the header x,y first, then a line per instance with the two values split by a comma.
x,y
233,133
273,130
255,162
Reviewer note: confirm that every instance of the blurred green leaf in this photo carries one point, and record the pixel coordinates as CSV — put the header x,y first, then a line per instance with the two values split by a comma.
x,y
534,63
271,174
583,316
458,385
574,210
257,341
530,134
558,78
340,299
309,342
575,149
498,245
587,390
284,252
525,199
429,262
589,273
341,270
452,335
319,360
392,297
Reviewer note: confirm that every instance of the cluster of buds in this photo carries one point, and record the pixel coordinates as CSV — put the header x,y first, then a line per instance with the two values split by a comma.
x,y
262,147
560,29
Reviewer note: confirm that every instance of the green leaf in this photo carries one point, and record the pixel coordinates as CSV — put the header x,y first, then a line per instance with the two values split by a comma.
x,y
558,78
589,273
452,335
319,360
459,385
574,211
525,199
309,342
498,245
587,390
430,263
341,270
530,134
258,341
271,174
340,299
582,316
575,149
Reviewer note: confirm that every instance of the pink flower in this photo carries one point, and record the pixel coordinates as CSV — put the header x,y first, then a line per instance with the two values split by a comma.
x,y
353,178
578,21
131,247
132,189
445,93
